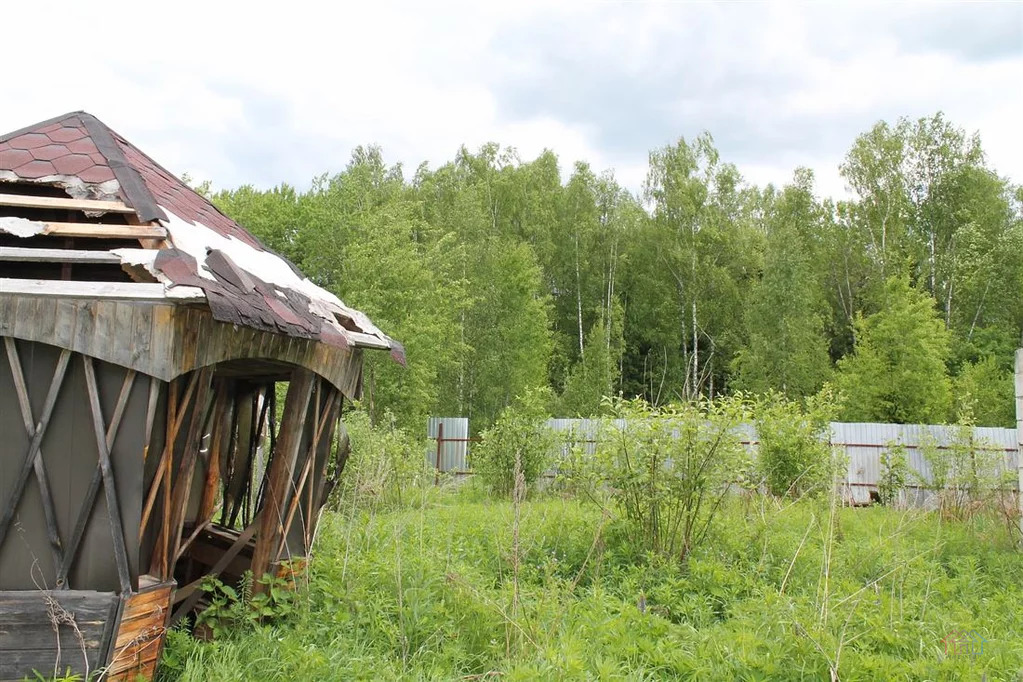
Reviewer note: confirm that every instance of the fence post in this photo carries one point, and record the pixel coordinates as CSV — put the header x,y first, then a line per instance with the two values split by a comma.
x,y
440,443
1019,432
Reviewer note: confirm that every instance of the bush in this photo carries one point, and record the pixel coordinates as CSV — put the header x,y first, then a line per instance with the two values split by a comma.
x,y
384,462
967,476
667,470
520,432
894,472
794,456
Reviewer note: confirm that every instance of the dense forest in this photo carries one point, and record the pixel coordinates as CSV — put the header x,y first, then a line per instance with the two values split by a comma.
x,y
500,275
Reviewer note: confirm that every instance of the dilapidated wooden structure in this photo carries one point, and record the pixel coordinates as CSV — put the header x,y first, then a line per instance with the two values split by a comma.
x,y
144,335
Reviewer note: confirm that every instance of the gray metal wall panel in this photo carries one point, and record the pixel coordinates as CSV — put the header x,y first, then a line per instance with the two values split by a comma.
x,y
861,444
454,455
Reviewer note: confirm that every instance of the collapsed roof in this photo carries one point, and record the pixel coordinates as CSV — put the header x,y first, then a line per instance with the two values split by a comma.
x,y
74,177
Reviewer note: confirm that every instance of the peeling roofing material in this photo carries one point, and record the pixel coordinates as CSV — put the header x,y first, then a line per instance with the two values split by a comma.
x,y
244,282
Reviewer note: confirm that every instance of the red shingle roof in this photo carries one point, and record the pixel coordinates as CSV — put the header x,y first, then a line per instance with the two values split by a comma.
x,y
77,151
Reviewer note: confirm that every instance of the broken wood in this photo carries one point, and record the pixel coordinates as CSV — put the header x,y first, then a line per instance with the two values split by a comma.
x,y
104,230
282,467
68,204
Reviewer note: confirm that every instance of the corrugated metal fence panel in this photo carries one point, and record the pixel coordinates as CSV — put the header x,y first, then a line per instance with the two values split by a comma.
x,y
453,454
861,443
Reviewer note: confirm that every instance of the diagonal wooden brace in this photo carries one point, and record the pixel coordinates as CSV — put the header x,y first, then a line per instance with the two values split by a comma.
x,y
33,458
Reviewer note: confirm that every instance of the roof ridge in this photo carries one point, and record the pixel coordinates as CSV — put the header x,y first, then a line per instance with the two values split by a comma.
x,y
132,185
123,140
41,124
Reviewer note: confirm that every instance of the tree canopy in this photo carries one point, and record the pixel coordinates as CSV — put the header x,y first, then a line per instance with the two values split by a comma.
x,y
503,275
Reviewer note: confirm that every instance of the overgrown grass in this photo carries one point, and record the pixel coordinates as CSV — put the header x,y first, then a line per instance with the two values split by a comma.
x,y
784,591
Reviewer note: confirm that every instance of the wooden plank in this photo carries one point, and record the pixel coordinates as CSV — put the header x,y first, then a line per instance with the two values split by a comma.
x,y
221,428
85,511
40,633
174,504
154,397
190,593
116,291
69,204
304,484
109,488
34,445
20,254
25,606
104,231
282,466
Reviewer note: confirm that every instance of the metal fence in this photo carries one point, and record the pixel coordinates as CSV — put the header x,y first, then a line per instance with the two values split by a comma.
x,y
448,447
862,444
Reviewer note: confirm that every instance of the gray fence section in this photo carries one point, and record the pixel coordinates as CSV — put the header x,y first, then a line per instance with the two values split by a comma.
x,y
451,436
863,444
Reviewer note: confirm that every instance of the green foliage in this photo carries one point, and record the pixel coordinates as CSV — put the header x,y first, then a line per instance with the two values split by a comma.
x,y
520,434
384,464
794,457
967,476
233,611
500,273
424,592
787,350
667,470
596,374
897,371
894,473
985,391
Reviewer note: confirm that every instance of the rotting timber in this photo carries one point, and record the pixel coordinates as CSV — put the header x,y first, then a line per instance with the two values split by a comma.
x,y
143,448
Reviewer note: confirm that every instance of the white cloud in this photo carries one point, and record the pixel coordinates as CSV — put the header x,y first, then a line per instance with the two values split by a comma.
x,y
264,92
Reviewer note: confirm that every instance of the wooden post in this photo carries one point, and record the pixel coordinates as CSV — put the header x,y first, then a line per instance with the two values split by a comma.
x,y
282,464
1019,431
440,444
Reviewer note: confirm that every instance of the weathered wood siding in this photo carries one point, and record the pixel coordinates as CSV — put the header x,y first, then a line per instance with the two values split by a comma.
x,y
167,341
70,457
83,621
140,635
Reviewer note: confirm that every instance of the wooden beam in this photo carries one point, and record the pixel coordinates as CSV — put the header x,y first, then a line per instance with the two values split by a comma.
x,y
109,488
85,511
20,254
49,512
34,445
104,230
69,204
282,466
174,509
120,291
191,594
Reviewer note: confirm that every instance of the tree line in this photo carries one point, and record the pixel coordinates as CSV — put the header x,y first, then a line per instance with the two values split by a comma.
x,y
503,277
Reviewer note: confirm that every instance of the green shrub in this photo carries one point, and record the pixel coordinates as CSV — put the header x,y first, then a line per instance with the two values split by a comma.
x,y
520,432
667,470
794,456
385,461
894,473
968,475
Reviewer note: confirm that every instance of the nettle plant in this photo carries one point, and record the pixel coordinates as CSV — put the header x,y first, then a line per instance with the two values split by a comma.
x,y
667,470
232,610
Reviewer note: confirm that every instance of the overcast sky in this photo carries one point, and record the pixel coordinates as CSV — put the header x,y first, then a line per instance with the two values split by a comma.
x,y
259,94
